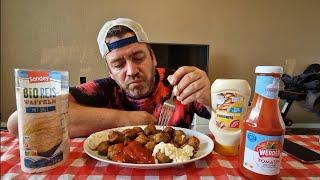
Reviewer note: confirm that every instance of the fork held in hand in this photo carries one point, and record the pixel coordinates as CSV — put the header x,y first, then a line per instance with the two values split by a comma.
x,y
166,111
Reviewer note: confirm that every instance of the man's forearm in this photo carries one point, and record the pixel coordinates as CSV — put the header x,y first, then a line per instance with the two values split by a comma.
x,y
84,120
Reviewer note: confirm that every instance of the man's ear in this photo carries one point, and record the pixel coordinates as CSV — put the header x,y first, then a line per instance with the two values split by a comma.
x,y
154,59
111,75
108,69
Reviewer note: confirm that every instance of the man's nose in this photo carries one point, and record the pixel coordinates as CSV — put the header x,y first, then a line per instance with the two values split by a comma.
x,y
132,69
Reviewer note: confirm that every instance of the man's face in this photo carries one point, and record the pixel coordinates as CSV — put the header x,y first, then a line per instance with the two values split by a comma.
x,y
132,67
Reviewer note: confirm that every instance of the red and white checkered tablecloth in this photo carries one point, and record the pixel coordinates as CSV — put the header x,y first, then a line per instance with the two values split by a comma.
x,y
80,166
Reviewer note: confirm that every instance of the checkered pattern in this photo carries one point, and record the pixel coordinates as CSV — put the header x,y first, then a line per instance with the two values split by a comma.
x,y
80,166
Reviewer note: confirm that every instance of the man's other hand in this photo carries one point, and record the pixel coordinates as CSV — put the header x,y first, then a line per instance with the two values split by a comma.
x,y
191,84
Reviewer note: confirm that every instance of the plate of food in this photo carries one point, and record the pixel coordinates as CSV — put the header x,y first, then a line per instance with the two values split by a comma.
x,y
148,147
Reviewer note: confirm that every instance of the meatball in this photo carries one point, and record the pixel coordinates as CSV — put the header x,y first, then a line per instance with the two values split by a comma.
x,y
194,142
142,139
150,129
115,137
178,133
130,133
179,140
150,145
169,130
161,137
103,148
138,129
162,158
158,131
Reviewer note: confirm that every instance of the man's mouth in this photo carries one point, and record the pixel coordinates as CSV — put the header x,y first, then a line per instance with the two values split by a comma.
x,y
135,82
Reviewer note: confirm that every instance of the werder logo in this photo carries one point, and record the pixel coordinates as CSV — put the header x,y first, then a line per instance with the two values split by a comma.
x,y
269,152
38,76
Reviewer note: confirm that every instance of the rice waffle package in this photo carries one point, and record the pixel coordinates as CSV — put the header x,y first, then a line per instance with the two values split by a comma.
x,y
42,104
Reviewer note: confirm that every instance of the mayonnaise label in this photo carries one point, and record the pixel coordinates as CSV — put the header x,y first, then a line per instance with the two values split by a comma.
x,y
229,107
262,153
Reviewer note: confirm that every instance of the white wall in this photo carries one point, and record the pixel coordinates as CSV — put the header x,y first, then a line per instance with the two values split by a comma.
x,y
242,34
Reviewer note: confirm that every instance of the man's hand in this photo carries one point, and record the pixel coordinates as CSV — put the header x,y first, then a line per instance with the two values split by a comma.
x,y
191,84
139,118
12,124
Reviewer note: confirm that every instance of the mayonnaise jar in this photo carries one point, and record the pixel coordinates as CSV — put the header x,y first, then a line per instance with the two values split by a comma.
x,y
230,98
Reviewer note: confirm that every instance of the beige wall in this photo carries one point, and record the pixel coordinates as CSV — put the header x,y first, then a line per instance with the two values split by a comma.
x,y
242,34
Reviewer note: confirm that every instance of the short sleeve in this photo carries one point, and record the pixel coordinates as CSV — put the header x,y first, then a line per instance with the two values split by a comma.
x,y
97,93
201,110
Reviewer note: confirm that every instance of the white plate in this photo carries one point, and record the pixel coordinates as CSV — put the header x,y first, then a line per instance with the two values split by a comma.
x,y
206,147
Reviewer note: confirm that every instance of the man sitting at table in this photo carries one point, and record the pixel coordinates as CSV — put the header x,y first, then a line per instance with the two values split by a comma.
x,y
136,89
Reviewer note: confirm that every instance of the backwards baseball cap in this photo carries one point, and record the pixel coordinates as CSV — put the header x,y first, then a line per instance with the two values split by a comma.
x,y
140,35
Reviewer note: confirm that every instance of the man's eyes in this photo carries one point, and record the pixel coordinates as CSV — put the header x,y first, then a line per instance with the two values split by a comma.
x,y
138,56
118,64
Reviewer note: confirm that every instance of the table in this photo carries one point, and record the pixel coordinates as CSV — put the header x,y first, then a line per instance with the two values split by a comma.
x,y
80,166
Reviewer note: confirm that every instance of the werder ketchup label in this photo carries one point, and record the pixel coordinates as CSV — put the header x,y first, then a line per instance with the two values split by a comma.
x,y
262,153
269,149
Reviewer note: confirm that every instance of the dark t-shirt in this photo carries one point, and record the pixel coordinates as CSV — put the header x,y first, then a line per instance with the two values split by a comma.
x,y
106,93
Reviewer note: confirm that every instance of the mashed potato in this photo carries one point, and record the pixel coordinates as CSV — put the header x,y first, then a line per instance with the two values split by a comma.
x,y
174,153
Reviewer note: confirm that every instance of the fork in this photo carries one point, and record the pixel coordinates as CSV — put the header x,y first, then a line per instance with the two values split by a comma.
x,y
166,111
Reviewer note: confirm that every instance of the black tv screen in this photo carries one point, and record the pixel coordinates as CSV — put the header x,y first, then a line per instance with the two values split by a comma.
x,y
176,55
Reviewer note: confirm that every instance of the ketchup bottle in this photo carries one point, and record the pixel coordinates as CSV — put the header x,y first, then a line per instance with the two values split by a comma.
x,y
263,129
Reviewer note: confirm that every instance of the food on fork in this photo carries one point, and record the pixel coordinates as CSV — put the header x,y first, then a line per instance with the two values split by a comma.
x,y
147,146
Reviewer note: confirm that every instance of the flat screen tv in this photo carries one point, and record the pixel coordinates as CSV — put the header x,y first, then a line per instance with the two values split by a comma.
x,y
176,55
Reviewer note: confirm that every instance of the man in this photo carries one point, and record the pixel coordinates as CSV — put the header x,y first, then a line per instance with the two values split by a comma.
x,y
136,89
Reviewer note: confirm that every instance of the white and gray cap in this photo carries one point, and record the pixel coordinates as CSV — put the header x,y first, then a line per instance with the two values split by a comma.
x,y
140,35
269,69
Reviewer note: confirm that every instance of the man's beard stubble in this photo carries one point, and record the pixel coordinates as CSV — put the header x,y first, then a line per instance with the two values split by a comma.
x,y
142,90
